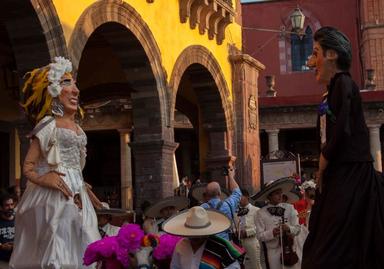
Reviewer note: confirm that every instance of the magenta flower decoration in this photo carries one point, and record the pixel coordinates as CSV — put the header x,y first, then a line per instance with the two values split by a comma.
x,y
101,250
166,247
91,254
108,246
122,256
129,237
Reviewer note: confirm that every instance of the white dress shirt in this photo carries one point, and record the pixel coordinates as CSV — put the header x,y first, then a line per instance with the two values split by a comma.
x,y
110,230
184,258
247,222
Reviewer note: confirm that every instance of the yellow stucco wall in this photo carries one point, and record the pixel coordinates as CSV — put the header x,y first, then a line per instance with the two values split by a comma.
x,y
163,19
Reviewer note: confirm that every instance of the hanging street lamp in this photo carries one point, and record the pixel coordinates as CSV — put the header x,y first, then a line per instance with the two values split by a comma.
x,y
297,20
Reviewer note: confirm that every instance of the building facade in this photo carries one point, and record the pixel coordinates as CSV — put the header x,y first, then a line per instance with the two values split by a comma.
x,y
289,97
164,84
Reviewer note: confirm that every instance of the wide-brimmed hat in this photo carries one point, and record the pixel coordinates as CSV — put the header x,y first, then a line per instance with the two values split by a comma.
x,y
178,202
292,195
197,222
286,184
106,210
197,192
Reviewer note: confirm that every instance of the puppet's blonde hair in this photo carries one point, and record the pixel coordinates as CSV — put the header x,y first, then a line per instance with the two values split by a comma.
x,y
37,99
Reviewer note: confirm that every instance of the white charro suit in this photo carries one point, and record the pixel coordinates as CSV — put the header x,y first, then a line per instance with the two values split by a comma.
x,y
247,223
266,222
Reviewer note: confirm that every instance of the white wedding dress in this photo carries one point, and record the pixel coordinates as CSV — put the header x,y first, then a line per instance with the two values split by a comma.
x,y
51,231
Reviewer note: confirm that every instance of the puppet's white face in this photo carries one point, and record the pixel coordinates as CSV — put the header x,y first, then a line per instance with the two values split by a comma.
x,y
69,95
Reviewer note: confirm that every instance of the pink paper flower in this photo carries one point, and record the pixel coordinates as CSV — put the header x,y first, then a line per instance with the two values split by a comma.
x,y
129,237
91,254
108,246
122,256
101,250
166,247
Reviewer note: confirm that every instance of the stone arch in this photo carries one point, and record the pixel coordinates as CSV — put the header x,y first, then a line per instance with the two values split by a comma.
x,y
200,55
37,28
153,147
52,28
213,98
31,35
122,13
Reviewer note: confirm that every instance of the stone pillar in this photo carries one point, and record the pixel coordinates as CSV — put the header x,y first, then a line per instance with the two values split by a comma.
x,y
245,73
273,140
374,139
219,156
186,158
126,169
153,166
14,157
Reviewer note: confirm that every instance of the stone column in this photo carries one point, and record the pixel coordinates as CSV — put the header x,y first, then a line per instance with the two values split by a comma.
x,y
153,163
245,73
218,156
186,158
273,139
126,169
14,157
374,139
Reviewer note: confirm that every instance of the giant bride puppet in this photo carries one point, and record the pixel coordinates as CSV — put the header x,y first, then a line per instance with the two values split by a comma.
x,y
55,219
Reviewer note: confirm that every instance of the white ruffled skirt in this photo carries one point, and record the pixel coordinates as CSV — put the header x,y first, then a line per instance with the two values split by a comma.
x,y
51,231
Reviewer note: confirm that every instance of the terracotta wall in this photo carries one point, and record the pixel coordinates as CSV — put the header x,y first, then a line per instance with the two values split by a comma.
x,y
265,47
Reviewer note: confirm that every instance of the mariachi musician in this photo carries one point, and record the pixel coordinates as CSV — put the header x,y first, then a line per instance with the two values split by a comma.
x,y
277,224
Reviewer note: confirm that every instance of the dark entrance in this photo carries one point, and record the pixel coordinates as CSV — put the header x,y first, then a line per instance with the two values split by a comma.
x,y
102,169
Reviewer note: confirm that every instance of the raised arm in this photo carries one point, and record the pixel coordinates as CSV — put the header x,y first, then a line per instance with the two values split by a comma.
x,y
231,179
51,179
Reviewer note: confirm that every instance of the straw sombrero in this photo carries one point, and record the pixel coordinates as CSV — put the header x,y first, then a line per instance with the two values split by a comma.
x,y
178,202
197,222
106,210
286,184
197,192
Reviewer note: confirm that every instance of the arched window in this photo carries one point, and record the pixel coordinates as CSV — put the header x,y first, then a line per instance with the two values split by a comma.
x,y
301,49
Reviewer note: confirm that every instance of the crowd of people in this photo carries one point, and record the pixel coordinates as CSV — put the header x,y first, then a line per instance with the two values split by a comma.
x,y
240,222
259,231
335,223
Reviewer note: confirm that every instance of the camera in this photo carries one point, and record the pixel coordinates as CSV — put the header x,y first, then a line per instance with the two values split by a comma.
x,y
225,171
